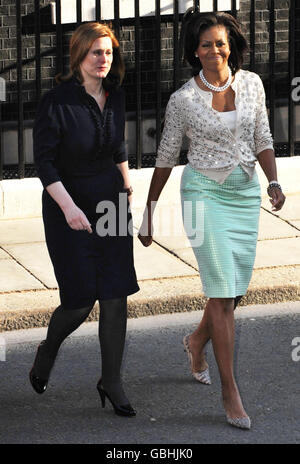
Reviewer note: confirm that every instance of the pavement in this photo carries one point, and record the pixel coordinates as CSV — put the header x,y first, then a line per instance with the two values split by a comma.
x,y
167,270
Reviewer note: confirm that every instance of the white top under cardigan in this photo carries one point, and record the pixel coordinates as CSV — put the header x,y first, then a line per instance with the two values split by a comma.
x,y
214,148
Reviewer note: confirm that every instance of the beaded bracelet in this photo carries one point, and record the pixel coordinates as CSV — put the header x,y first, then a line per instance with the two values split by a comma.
x,y
274,184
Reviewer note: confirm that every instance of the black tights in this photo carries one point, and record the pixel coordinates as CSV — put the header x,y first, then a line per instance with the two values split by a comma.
x,y
112,332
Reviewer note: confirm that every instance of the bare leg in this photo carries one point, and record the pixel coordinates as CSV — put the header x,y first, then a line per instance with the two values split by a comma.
x,y
199,338
197,342
218,324
220,316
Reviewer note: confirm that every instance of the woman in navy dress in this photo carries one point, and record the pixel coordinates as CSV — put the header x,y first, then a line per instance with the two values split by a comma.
x,y
80,157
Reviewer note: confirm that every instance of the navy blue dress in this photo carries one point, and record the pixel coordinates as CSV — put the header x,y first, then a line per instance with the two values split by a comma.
x,y
77,144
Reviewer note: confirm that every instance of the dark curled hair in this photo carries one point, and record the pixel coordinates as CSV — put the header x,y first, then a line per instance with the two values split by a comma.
x,y
195,23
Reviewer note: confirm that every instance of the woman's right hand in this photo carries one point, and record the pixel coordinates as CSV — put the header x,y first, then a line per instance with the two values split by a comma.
x,y
159,178
145,234
145,239
76,218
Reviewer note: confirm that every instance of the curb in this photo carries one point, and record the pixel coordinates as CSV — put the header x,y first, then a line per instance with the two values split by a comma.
x,y
140,307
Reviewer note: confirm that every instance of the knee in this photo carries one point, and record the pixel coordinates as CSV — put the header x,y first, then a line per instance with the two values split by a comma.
x,y
80,312
219,310
222,305
87,309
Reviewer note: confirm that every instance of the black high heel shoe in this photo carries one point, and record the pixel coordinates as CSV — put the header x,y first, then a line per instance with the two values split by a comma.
x,y
38,384
120,410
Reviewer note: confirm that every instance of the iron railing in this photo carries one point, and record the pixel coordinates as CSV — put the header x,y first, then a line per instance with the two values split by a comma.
x,y
289,147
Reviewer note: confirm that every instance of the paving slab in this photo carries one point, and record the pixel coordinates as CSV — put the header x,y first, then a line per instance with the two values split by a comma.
x,y
173,243
35,258
296,224
269,253
14,277
278,252
150,263
32,230
187,255
290,210
155,262
271,227
4,254
21,231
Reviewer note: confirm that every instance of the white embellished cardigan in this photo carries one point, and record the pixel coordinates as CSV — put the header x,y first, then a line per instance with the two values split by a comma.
x,y
213,148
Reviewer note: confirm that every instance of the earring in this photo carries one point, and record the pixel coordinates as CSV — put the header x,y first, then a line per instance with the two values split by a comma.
x,y
196,55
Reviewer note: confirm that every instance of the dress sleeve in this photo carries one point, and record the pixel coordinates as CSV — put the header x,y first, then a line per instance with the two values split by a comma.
x,y
173,132
120,154
262,135
46,139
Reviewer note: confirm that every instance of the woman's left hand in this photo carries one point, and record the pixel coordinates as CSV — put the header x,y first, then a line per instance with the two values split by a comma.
x,y
277,198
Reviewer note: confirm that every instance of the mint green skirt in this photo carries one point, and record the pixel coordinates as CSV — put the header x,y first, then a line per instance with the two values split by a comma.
x,y
221,222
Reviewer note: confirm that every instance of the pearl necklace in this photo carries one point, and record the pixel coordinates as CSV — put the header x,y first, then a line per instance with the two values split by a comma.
x,y
213,87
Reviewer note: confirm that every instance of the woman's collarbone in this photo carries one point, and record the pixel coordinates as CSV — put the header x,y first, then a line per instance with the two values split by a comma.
x,y
223,102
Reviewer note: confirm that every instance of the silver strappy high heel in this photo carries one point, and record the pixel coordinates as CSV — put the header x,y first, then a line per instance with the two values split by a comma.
x,y
203,376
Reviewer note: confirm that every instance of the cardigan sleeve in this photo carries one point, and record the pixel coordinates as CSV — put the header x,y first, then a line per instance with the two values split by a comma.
x,y
46,139
262,134
173,132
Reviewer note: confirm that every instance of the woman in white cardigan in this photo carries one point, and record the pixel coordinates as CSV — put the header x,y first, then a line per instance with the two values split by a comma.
x,y
222,111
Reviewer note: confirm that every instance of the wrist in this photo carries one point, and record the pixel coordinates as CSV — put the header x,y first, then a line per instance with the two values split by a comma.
x,y
273,184
64,205
128,190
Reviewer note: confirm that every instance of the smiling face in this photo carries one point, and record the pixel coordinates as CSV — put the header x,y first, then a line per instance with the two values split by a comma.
x,y
97,62
213,50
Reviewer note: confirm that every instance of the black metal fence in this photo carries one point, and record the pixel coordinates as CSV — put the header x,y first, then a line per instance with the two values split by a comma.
x,y
289,147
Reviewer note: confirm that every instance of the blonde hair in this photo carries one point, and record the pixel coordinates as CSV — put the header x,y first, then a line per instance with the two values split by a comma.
x,y
81,41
